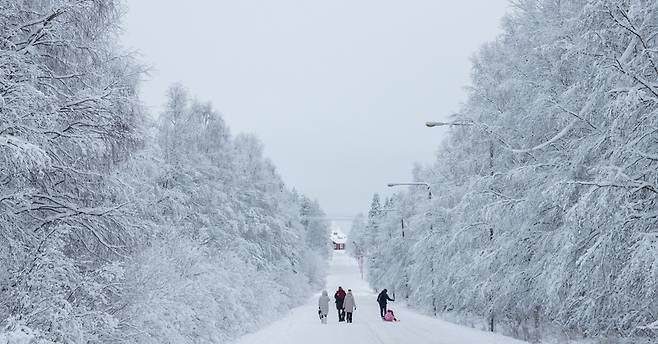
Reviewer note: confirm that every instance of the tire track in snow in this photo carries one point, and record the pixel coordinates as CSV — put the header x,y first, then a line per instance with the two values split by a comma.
x,y
301,326
375,334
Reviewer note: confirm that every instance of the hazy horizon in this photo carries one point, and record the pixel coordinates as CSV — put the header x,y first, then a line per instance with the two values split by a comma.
x,y
338,92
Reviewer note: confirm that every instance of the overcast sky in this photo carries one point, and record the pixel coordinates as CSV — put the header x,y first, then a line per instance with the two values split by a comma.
x,y
337,90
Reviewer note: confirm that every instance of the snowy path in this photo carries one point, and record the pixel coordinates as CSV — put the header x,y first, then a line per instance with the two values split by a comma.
x,y
302,325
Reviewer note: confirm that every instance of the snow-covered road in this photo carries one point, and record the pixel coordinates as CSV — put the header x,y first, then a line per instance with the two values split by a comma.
x,y
302,325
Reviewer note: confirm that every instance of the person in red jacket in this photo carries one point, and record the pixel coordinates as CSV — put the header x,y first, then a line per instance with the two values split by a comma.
x,y
340,300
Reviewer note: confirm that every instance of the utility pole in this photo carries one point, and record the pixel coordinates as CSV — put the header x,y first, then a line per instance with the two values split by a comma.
x,y
432,258
401,219
359,257
432,248
490,296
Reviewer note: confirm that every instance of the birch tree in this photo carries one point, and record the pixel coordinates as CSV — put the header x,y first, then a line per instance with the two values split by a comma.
x,y
546,218
68,114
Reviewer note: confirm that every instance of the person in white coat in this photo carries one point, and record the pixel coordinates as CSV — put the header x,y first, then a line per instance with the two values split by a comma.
x,y
350,305
323,306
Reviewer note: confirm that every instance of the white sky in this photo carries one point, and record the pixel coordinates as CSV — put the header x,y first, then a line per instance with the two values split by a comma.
x,y
337,90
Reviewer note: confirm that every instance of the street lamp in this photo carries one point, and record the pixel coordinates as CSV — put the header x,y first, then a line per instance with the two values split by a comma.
x,y
444,124
467,123
491,155
429,193
429,188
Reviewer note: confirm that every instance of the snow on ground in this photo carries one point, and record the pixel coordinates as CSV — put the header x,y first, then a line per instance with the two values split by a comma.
x,y
302,325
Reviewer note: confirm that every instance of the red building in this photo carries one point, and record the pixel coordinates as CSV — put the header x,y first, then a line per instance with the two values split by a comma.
x,y
338,240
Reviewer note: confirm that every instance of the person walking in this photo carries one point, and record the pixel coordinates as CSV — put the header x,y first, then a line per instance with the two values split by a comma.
x,y
350,306
323,307
382,299
340,300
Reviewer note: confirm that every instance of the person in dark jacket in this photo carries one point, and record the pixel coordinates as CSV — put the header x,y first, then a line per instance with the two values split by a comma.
x,y
382,299
340,300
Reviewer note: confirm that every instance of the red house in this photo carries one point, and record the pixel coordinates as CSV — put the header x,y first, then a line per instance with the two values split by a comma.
x,y
338,240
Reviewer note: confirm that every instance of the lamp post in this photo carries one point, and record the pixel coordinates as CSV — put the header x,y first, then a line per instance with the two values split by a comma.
x,y
491,169
429,191
427,185
429,194
468,123
448,124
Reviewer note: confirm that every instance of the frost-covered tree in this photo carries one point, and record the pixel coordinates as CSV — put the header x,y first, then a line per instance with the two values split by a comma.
x,y
547,183
118,229
225,233
315,225
68,115
355,240
372,229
